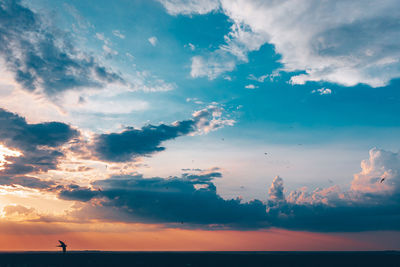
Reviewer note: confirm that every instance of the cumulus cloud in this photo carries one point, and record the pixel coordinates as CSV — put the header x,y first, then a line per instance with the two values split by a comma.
x,y
131,143
380,174
276,190
369,204
344,42
42,58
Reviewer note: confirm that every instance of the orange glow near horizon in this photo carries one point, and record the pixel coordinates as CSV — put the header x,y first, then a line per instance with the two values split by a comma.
x,y
149,238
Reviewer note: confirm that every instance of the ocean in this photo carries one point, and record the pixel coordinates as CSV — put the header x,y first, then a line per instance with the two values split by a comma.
x,y
192,259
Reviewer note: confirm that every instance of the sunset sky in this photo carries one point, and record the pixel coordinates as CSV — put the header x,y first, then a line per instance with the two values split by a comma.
x,y
200,124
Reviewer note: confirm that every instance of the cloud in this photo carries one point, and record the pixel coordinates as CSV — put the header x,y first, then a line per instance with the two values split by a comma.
x,y
367,205
26,181
131,143
380,165
188,7
153,40
192,199
42,58
251,86
322,91
76,192
192,46
344,42
276,190
118,34
38,143
213,66
17,210
274,75
172,200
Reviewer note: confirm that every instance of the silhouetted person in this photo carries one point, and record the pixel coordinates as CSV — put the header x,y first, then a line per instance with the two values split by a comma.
x,y
63,246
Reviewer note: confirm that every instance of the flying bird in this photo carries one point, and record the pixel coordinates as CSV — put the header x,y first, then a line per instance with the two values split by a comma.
x,y
383,179
63,246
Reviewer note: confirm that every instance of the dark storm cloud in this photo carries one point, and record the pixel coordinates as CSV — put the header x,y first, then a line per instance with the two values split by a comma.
x,y
131,143
43,57
172,200
39,143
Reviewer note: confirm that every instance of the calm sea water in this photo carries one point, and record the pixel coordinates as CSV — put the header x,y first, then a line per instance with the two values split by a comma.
x,y
192,259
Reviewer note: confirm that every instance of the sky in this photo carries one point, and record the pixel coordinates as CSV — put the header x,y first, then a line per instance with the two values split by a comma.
x,y
200,124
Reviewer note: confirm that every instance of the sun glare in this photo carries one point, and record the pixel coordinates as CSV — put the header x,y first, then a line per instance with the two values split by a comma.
x,y
6,152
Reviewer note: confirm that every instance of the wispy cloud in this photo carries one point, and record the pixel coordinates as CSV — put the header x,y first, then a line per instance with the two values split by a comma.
x,y
118,34
41,58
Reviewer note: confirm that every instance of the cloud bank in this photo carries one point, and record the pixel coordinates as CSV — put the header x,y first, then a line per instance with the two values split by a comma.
x,y
192,199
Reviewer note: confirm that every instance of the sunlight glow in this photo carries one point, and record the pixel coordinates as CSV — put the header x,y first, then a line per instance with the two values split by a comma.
x,y
6,152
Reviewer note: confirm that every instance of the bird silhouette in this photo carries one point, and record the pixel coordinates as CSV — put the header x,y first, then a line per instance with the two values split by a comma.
x,y
383,179
63,246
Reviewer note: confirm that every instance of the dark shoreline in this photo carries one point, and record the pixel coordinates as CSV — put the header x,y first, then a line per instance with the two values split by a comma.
x,y
198,258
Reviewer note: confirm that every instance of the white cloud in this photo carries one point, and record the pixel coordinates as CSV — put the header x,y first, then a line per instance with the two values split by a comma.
x,y
251,86
344,42
262,78
192,46
101,37
153,40
212,66
322,91
211,119
109,50
107,45
129,55
118,34
188,7
276,191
